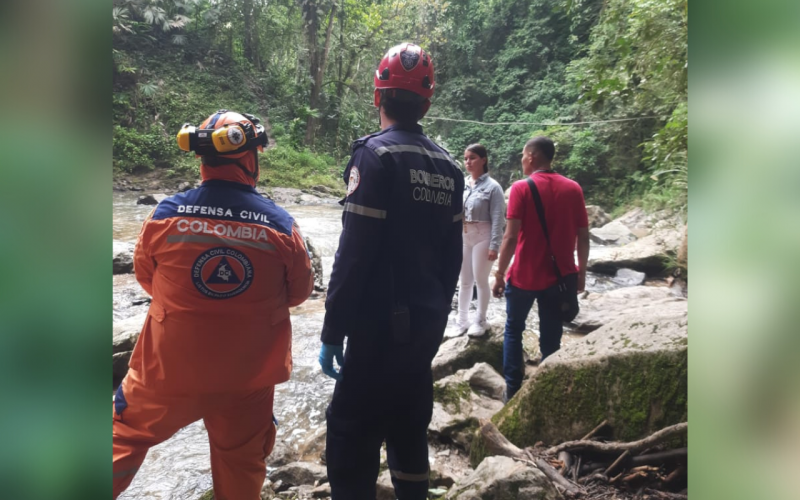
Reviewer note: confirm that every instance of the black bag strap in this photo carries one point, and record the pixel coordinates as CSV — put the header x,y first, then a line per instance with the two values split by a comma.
x,y
537,200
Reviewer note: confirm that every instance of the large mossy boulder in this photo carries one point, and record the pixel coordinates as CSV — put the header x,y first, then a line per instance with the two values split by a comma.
x,y
464,352
503,478
460,400
632,372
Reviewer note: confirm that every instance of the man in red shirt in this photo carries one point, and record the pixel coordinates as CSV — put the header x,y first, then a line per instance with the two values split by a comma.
x,y
532,276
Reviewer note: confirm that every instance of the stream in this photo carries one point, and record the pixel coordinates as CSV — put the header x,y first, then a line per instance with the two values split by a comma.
x,y
180,467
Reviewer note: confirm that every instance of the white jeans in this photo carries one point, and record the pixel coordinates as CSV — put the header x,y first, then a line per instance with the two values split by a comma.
x,y
475,269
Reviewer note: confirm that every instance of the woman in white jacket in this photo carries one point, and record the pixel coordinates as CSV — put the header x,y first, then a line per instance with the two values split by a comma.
x,y
484,222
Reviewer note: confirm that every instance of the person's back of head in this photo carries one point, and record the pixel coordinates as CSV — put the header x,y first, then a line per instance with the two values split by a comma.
x,y
543,145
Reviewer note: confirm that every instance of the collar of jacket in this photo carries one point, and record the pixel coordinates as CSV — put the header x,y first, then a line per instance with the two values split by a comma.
x,y
415,127
231,184
480,180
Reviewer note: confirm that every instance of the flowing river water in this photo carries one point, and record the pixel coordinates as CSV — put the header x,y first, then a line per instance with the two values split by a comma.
x,y
180,467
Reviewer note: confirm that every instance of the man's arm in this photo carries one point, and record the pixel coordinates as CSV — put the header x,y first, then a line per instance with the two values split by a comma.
x,y
363,224
299,278
583,257
506,252
143,264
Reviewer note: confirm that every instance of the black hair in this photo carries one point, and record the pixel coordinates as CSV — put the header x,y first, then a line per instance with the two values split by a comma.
x,y
403,106
480,150
542,144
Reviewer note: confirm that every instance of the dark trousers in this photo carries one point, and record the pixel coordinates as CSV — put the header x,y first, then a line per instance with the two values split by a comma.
x,y
368,408
518,305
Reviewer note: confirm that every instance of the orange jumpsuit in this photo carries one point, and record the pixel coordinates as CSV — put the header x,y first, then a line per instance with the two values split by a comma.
x,y
223,265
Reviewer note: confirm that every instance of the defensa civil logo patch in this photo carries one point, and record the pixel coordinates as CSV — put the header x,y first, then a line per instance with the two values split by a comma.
x,y
409,59
355,180
222,273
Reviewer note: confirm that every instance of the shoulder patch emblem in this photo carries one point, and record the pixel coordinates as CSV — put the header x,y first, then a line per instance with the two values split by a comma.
x,y
355,179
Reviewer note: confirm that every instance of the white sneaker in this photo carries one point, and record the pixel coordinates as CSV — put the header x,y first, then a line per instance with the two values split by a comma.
x,y
478,329
456,330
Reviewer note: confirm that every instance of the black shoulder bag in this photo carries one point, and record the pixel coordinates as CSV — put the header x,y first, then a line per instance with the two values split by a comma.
x,y
562,294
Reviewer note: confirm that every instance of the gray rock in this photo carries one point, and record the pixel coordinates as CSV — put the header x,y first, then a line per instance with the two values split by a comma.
x,y
321,491
316,265
597,216
126,332
151,199
123,257
384,488
464,352
285,196
299,473
501,478
632,371
461,399
648,255
613,233
184,186
282,454
313,447
628,277
598,309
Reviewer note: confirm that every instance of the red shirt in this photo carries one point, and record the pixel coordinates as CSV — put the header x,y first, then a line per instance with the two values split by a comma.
x,y
565,212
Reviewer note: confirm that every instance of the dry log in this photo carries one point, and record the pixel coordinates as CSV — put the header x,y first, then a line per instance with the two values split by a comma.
x,y
595,430
576,471
497,444
566,458
633,446
659,458
625,454
675,475
550,471
665,495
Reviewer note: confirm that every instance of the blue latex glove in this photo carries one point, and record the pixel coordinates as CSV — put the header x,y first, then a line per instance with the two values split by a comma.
x,y
326,355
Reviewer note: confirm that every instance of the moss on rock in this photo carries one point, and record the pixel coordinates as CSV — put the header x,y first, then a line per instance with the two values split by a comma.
x,y
638,392
452,395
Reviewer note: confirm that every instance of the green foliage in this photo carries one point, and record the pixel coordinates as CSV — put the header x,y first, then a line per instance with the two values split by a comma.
x,y
539,64
135,151
286,167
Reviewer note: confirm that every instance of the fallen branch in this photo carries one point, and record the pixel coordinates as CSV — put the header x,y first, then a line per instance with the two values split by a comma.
x,y
551,472
633,446
625,454
659,458
497,444
595,430
665,495
566,458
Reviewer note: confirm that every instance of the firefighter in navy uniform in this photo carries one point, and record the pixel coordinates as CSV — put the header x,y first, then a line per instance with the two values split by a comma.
x,y
391,288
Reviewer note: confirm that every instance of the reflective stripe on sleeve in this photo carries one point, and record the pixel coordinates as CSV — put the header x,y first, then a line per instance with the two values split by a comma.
x,y
406,148
457,218
365,211
196,238
403,476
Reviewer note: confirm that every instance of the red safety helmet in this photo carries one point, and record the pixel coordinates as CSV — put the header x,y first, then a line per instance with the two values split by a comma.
x,y
408,67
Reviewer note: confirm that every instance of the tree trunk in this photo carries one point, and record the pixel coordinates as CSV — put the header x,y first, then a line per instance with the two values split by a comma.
x,y
317,73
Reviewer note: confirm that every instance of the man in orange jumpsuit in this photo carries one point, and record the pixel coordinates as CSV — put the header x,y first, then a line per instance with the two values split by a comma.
x,y
223,265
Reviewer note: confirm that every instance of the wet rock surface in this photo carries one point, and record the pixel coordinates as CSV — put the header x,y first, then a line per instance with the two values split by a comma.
x,y
613,233
123,257
464,352
598,309
151,199
501,478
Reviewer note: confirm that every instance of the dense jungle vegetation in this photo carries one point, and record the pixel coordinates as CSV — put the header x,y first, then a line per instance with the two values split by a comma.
x,y
606,79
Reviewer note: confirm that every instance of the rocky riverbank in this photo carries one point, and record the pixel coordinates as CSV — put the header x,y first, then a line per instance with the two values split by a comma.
x,y
627,370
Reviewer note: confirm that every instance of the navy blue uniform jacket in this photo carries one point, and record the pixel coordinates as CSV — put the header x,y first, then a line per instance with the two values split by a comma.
x,y
400,243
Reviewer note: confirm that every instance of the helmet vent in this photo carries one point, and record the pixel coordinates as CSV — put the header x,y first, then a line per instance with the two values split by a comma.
x,y
385,74
426,82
